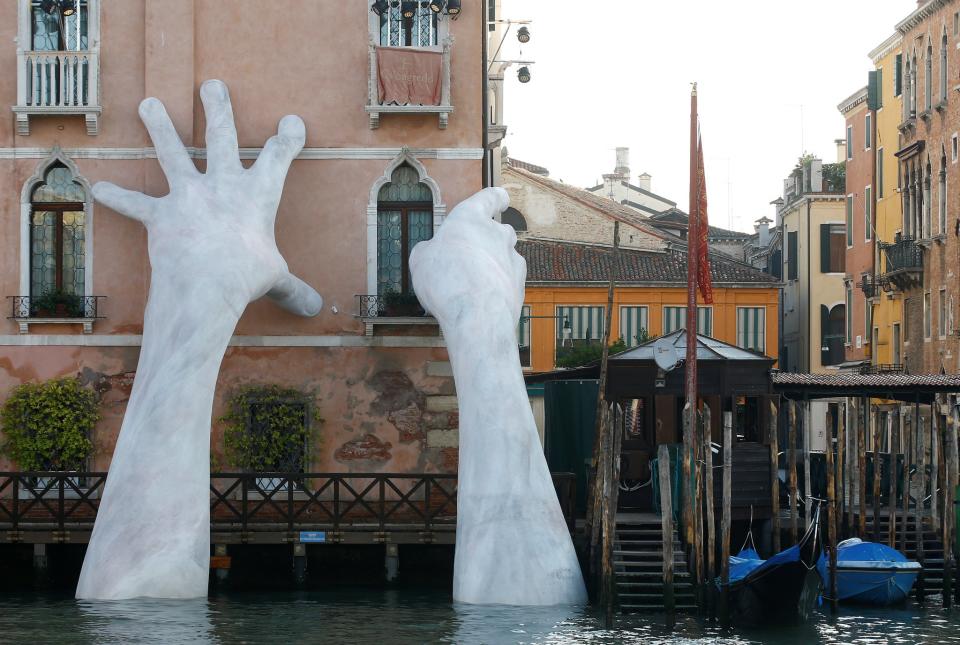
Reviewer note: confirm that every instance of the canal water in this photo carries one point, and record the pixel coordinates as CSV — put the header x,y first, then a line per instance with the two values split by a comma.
x,y
389,617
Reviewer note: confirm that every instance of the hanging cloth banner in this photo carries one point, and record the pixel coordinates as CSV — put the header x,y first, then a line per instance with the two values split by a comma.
x,y
700,246
408,76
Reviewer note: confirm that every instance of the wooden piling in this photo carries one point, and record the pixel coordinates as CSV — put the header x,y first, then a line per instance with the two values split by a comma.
x,y
615,439
792,458
666,527
945,511
841,469
918,514
725,517
698,521
831,515
807,442
908,439
774,478
950,479
711,550
687,485
892,488
877,476
862,463
936,441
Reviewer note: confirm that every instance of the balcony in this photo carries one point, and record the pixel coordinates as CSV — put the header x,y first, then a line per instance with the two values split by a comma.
x,y
872,285
45,310
904,263
391,310
883,368
375,108
57,83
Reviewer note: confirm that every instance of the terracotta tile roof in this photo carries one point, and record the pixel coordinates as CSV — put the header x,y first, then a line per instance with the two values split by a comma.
x,y
676,216
551,261
529,167
604,206
841,380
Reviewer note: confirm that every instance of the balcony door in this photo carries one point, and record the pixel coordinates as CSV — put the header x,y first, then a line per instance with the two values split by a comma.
x,y
404,218
57,235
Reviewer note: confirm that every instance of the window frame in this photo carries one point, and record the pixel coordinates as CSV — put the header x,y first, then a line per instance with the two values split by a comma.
x,y
942,314
762,328
848,318
880,172
644,316
867,213
525,327
850,142
927,316
867,131
700,308
440,30
849,220
954,147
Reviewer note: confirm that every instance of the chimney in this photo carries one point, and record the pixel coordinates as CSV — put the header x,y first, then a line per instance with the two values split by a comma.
x,y
623,163
841,150
763,231
644,181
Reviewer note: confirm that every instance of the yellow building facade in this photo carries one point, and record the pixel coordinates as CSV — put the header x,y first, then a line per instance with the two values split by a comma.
x,y
887,306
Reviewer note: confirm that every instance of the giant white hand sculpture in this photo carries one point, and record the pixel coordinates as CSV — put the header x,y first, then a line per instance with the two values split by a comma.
x,y
212,251
513,546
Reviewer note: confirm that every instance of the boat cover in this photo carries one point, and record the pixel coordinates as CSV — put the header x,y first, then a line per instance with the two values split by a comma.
x,y
870,572
749,561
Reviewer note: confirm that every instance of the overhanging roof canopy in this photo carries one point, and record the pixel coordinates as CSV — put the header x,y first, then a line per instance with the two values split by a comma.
x,y
902,387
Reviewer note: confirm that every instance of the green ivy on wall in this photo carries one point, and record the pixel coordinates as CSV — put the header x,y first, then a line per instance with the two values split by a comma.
x,y
48,425
268,428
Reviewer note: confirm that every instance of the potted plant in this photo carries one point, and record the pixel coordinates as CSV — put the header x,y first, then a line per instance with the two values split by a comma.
x,y
400,303
268,429
47,425
57,303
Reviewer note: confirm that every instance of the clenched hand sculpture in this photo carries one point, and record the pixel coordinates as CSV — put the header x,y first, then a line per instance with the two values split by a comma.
x,y
212,251
513,546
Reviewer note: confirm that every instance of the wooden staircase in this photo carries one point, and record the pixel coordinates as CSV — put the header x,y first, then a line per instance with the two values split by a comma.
x,y
932,549
638,565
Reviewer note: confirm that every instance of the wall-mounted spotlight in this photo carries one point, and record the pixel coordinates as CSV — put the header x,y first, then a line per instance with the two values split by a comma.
x,y
379,7
68,7
523,35
408,8
453,7
523,74
436,6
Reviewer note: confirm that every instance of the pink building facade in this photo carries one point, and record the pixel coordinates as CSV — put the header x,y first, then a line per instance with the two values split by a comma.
x,y
372,180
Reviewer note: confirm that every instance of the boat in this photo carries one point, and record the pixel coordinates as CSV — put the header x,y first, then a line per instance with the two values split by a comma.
x,y
768,590
870,573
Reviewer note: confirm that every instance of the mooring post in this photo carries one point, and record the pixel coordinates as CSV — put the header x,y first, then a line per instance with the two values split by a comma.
x,y
666,526
774,479
698,518
892,488
792,458
951,480
936,441
841,483
831,514
725,518
944,437
907,440
862,458
918,515
221,562
711,550
391,561
877,477
614,431
807,445
687,487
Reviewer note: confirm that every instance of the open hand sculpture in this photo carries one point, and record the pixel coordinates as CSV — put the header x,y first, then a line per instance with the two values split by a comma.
x,y
212,251
513,545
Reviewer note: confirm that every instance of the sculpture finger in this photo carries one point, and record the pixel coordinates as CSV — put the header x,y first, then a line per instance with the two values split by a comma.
x,y
296,296
171,154
280,151
223,151
126,202
483,205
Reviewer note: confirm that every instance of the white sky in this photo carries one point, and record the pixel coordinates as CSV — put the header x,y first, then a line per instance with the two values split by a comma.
x,y
614,73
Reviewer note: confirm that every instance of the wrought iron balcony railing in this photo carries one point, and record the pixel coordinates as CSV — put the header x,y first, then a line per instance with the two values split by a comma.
x,y
872,285
389,306
904,262
61,307
883,368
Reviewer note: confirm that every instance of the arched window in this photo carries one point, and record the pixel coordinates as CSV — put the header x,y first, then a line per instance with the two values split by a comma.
x,y
404,217
834,328
943,67
57,234
928,79
514,218
942,195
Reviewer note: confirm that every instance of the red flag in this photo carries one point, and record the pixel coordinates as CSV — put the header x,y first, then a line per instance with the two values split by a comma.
x,y
699,246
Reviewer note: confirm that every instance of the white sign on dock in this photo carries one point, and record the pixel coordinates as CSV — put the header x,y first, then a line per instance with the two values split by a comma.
x,y
313,536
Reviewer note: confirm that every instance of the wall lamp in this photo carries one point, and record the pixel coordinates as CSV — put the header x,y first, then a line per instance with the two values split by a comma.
x,y
523,74
523,35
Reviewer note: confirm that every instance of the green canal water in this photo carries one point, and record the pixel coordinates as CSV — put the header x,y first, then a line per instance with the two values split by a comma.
x,y
388,617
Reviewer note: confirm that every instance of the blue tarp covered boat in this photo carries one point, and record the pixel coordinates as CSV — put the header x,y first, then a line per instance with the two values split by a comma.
x,y
870,573
767,590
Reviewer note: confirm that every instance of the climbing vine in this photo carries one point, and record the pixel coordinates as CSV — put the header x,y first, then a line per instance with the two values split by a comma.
x,y
268,427
48,425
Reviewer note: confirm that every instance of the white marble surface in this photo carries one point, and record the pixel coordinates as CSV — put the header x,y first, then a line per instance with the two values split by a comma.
x,y
212,251
513,546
